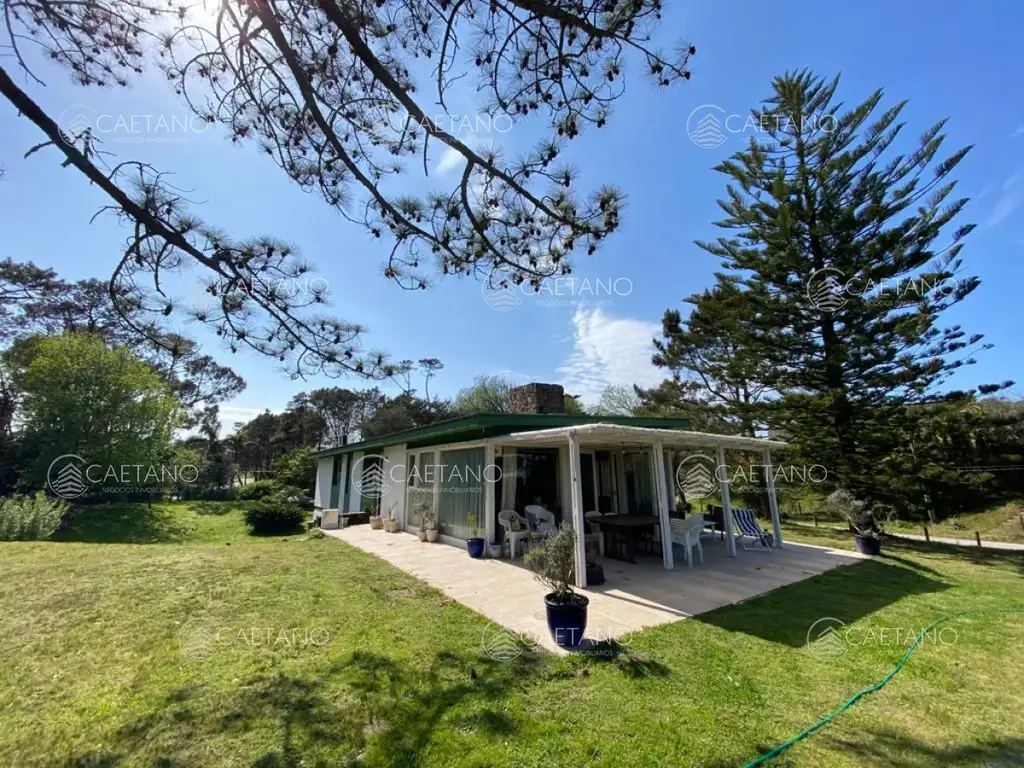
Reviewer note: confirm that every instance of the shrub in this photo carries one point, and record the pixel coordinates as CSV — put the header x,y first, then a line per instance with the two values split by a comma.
x,y
259,489
553,563
281,512
30,518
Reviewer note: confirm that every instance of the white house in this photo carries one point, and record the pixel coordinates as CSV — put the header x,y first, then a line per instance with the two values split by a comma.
x,y
567,464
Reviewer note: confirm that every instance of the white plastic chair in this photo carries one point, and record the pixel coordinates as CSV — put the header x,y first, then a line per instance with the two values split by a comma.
x,y
544,521
686,533
595,531
512,536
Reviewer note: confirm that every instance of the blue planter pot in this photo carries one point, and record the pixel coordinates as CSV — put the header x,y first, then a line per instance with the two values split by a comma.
x,y
567,622
475,547
868,545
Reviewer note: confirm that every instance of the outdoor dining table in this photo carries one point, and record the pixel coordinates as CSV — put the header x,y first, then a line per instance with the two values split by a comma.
x,y
624,532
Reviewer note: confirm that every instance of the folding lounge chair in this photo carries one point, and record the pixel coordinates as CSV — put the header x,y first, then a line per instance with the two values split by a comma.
x,y
748,527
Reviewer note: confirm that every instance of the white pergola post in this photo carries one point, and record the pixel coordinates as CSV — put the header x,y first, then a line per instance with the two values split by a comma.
x,y
578,524
722,473
773,501
663,515
490,480
670,461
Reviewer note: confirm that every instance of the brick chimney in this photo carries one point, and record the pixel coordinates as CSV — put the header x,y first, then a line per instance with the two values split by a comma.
x,y
537,398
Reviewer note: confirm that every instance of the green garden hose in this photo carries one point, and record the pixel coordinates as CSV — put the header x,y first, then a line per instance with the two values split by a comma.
x,y
780,748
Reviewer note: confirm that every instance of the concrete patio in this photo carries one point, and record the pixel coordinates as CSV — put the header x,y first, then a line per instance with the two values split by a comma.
x,y
632,597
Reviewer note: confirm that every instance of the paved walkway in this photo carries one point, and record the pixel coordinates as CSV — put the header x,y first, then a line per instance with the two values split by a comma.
x,y
632,597
1006,546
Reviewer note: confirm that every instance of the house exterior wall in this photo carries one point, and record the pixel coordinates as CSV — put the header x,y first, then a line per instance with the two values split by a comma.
x,y
322,489
393,498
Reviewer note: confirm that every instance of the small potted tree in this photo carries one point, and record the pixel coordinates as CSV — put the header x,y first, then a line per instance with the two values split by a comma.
x,y
474,544
391,523
426,517
430,523
553,562
865,524
376,521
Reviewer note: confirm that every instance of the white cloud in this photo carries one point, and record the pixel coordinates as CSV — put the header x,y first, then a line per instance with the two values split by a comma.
x,y
229,414
609,350
1008,202
1018,132
450,159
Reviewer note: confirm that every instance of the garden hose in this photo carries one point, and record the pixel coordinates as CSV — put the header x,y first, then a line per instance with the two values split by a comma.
x,y
780,748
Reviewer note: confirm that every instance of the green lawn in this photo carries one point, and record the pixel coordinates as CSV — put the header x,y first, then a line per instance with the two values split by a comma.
x,y
1001,523
141,639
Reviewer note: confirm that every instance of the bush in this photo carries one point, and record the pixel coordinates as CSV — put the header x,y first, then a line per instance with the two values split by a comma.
x,y
282,512
30,518
259,489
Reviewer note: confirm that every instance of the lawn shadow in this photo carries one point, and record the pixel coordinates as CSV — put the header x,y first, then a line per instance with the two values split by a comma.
x,y
898,750
368,708
123,523
847,593
216,508
630,663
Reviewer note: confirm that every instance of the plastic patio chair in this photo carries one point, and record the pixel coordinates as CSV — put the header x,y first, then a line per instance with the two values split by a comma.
x,y
512,536
686,533
544,521
595,531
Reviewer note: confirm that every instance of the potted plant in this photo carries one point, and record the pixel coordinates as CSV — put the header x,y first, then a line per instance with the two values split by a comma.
x,y
474,544
376,521
426,520
391,524
865,524
553,562
430,524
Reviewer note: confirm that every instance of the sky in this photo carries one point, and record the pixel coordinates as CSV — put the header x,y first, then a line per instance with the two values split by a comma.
x,y
955,60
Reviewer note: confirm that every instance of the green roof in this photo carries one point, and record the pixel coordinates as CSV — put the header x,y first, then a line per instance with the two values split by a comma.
x,y
483,425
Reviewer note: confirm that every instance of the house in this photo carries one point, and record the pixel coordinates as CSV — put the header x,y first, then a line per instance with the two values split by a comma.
x,y
537,455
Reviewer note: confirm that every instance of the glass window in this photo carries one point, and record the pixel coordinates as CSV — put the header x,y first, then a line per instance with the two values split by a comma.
x,y
461,492
420,487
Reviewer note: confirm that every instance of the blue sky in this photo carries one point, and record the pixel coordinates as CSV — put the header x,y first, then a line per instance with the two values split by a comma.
x,y
950,59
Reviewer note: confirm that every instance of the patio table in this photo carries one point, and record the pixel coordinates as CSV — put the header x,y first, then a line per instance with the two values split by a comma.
x,y
624,531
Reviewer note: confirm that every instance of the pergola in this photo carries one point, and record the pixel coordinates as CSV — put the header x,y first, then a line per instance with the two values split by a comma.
x,y
609,436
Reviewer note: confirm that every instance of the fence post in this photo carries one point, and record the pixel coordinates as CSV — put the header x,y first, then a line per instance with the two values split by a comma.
x,y
977,537
926,536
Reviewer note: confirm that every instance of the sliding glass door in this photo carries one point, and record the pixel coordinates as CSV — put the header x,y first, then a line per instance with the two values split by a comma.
x,y
461,492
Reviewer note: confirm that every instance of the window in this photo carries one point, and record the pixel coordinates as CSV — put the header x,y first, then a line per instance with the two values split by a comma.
x,y
461,492
419,495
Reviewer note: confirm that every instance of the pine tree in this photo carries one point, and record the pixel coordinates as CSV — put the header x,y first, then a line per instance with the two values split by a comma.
x,y
841,243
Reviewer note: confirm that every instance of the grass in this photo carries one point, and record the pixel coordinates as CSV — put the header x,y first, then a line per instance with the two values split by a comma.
x,y
1000,523
167,636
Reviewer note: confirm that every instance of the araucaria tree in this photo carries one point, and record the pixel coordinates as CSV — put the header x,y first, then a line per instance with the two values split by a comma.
x,y
340,95
840,237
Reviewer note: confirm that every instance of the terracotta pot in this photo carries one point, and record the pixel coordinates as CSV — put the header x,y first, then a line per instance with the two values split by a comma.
x,y
376,522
